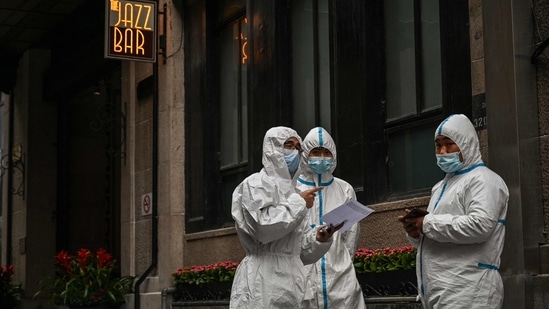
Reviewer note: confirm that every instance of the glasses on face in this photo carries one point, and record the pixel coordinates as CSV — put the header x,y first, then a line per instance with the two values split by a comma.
x,y
290,145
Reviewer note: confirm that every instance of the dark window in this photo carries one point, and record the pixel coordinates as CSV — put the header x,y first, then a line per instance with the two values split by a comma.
x,y
413,96
233,156
311,65
379,75
399,68
216,109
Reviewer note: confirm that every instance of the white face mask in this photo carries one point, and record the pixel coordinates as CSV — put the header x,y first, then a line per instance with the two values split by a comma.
x,y
449,162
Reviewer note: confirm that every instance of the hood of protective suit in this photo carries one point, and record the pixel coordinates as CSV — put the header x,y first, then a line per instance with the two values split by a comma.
x,y
318,137
273,152
460,129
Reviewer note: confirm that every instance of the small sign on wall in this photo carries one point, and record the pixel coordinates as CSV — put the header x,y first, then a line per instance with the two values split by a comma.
x,y
146,204
479,112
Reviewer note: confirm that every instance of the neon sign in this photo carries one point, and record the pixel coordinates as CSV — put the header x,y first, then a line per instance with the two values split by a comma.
x,y
130,30
244,40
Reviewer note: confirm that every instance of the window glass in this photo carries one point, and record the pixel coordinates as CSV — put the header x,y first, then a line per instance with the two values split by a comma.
x,y
324,63
233,97
430,33
400,58
229,72
412,163
303,65
233,155
310,64
244,91
414,87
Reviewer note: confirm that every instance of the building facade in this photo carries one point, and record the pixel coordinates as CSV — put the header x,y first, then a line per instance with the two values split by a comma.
x,y
141,158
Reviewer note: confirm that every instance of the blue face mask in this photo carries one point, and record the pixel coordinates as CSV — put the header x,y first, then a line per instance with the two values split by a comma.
x,y
292,159
449,162
320,165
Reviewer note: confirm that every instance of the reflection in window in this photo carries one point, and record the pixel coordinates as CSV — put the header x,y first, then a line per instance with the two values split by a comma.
x,y
233,107
414,91
233,95
413,163
400,53
311,64
413,57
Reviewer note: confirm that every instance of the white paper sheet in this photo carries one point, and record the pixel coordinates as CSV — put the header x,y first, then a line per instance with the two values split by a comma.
x,y
350,213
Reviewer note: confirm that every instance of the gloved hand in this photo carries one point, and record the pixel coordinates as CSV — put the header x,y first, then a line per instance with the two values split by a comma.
x,y
415,213
413,221
324,233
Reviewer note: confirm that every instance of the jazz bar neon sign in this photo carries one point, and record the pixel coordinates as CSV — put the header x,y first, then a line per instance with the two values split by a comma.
x,y
130,30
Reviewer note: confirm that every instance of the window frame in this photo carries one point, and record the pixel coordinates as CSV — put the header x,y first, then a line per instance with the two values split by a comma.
x,y
269,100
357,94
359,124
455,79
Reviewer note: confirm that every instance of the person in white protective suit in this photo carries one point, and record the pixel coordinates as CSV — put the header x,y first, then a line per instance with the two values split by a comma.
x,y
332,278
461,239
269,216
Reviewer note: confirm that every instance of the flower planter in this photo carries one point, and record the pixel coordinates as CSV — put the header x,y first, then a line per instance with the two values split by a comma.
x,y
389,283
86,278
103,306
206,291
10,293
211,282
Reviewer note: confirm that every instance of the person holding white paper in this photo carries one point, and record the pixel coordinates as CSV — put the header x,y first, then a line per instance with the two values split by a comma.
x,y
269,217
332,278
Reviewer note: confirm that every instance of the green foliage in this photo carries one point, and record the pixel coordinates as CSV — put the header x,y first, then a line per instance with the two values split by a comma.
x,y
386,259
218,272
9,293
86,279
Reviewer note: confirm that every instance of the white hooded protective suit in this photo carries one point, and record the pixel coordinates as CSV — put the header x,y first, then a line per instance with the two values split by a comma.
x,y
332,278
463,234
269,217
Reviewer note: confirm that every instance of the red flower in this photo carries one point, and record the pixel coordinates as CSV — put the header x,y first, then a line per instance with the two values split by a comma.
x,y
384,259
9,293
201,274
82,256
104,259
63,259
6,273
91,279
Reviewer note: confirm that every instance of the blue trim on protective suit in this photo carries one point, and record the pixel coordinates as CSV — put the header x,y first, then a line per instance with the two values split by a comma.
x,y
324,283
305,182
422,287
320,201
320,138
463,171
439,131
323,259
466,170
312,184
441,193
321,213
487,266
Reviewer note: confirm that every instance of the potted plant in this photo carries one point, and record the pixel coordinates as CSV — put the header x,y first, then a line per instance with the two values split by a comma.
x,y
10,293
385,259
86,279
204,282
386,271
